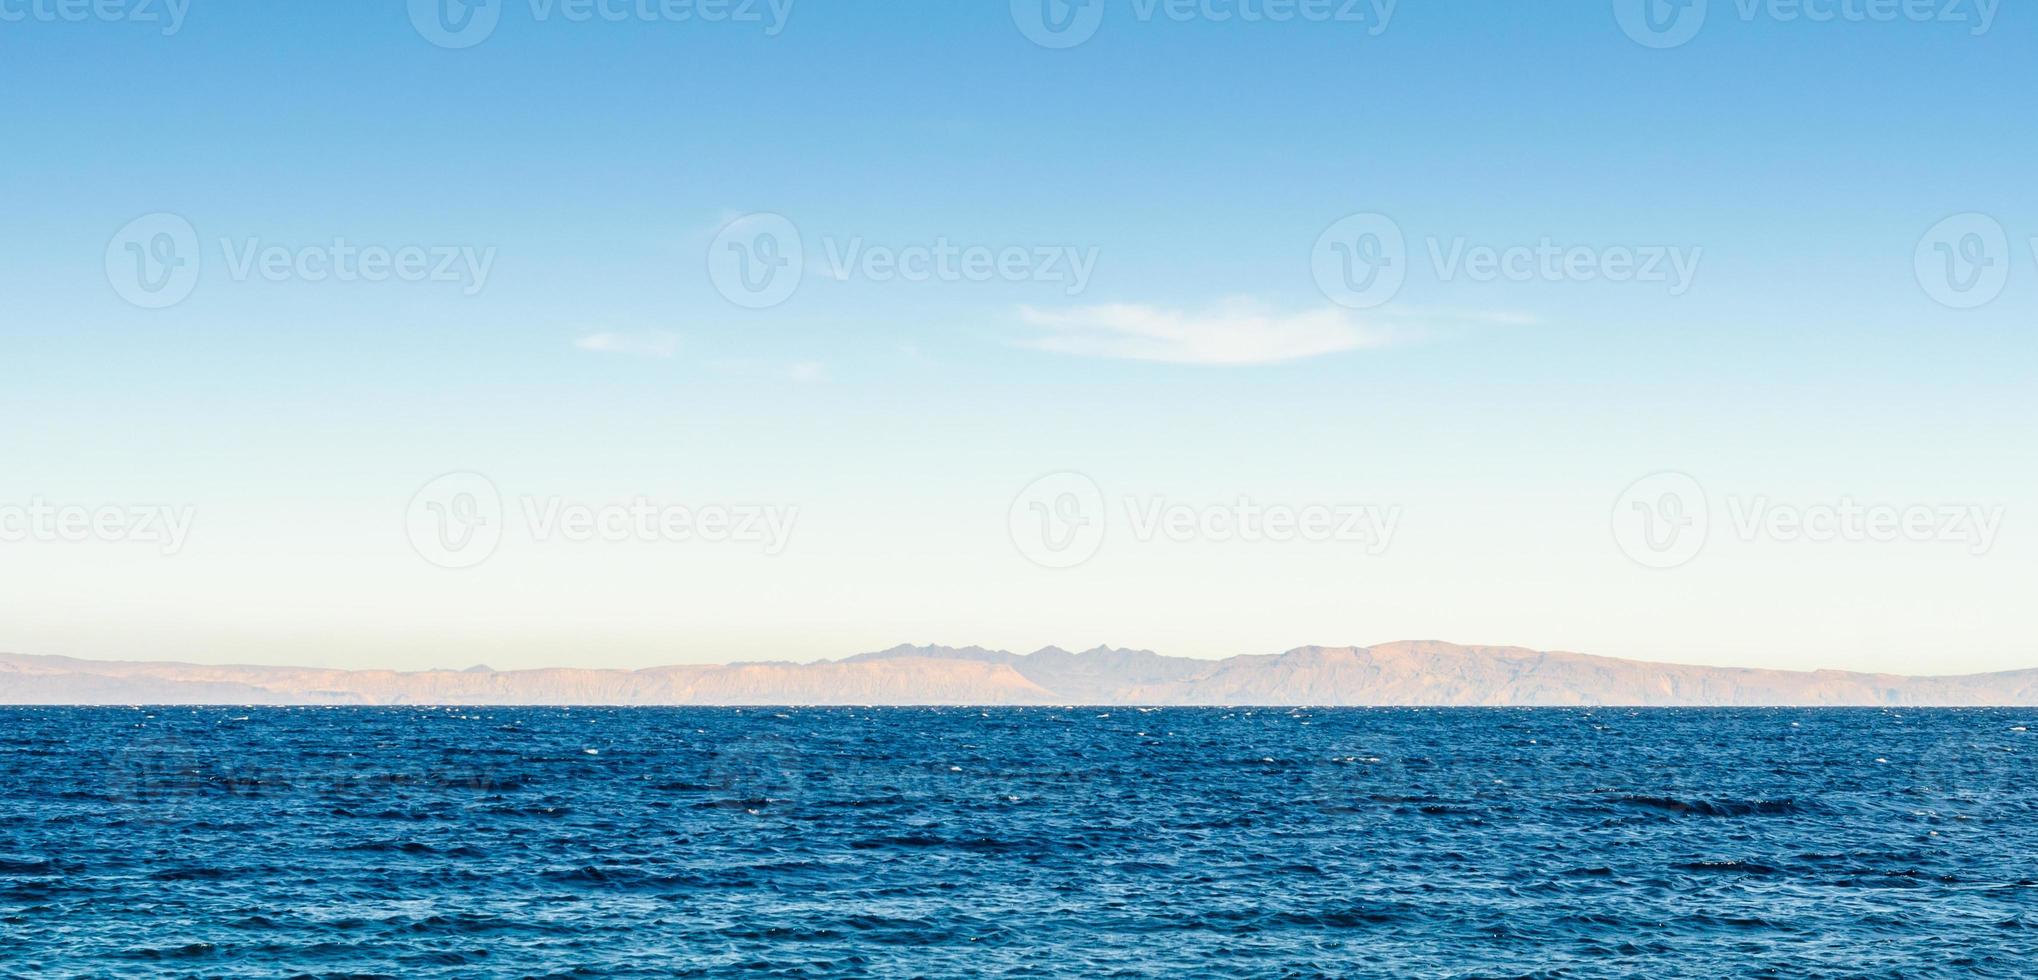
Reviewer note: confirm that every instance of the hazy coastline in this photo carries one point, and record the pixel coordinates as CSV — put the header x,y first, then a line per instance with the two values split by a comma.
x,y
1413,673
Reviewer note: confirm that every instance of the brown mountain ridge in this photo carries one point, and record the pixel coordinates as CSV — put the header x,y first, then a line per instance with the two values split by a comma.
x,y
1416,673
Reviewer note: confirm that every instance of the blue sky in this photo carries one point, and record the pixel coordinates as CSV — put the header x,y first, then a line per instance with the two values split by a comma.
x,y
1799,164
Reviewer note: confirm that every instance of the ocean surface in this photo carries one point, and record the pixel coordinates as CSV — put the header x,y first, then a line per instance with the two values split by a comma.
x,y
1029,842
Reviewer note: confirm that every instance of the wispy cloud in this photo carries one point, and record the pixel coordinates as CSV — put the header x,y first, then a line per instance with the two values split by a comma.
x,y
1235,332
1242,331
650,343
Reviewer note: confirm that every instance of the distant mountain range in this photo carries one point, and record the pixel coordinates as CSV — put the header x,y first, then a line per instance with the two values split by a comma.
x,y
1409,673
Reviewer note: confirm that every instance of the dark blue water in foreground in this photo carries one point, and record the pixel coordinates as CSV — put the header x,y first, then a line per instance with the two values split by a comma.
x,y
1020,842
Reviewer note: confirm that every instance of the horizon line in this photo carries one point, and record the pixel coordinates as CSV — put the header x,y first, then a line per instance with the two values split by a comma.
x,y
846,658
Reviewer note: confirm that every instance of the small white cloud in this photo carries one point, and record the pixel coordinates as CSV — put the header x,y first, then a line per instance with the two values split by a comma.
x,y
807,372
1237,332
650,343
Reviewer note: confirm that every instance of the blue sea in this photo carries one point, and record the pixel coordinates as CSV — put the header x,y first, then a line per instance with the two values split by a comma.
x,y
1028,842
